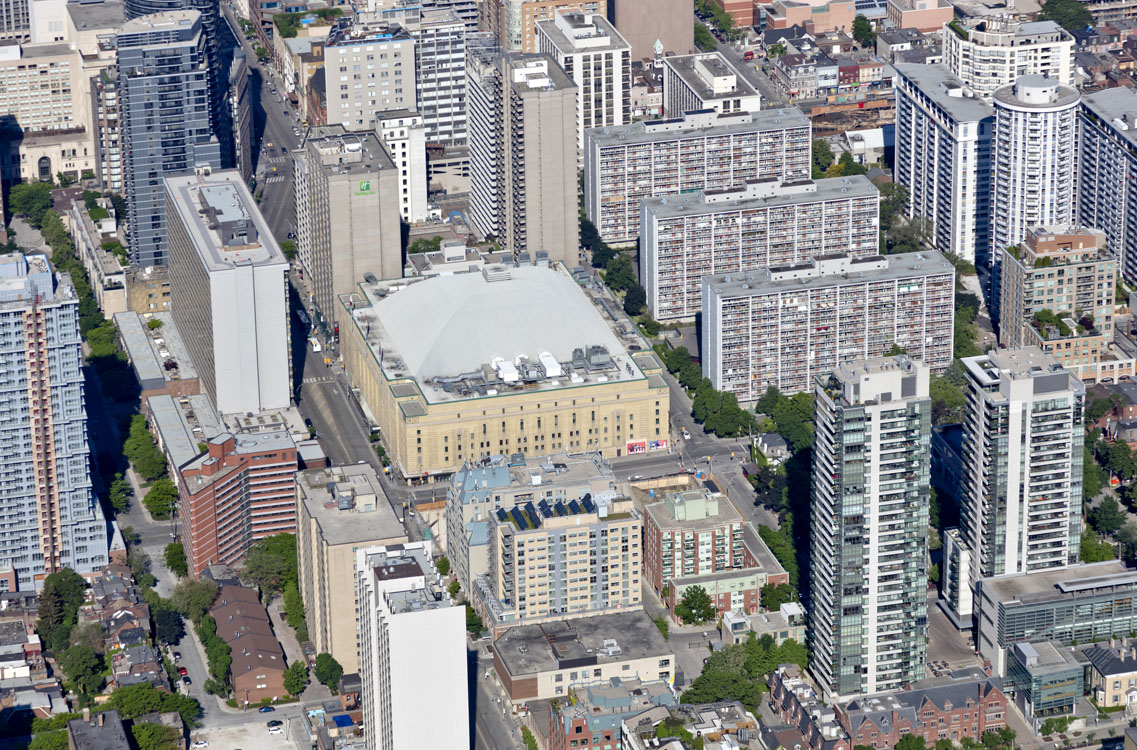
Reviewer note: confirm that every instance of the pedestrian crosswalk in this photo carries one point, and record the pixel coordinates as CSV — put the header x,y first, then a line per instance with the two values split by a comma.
x,y
319,380
274,178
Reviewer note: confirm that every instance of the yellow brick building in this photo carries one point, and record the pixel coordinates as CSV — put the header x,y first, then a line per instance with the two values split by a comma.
x,y
509,360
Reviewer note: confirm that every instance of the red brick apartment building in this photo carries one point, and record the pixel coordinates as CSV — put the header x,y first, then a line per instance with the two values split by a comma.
x,y
239,491
967,707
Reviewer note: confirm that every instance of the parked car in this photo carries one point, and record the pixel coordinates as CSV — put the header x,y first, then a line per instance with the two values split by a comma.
x,y
267,709
201,743
177,655
182,671
186,680
275,723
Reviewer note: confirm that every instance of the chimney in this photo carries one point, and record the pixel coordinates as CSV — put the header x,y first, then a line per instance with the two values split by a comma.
x,y
101,714
86,714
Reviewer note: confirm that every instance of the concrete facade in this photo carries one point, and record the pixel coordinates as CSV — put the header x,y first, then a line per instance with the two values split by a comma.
x,y
338,510
644,22
514,22
943,156
229,289
431,408
995,51
707,80
1107,182
347,218
370,68
598,60
522,123
412,651
785,326
623,166
1020,510
755,225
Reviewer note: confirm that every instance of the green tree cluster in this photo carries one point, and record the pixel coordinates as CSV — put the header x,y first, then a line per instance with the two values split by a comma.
x,y
720,19
328,671
84,669
161,498
782,546
270,564
149,736
217,653
168,626
193,598
862,31
528,738
590,239
143,453
1069,14
443,565
704,39
739,672
821,156
1107,517
133,701
424,245
619,273
296,678
294,610
772,596
59,602
31,199
966,331
474,624
718,412
176,559
792,416
120,493
695,607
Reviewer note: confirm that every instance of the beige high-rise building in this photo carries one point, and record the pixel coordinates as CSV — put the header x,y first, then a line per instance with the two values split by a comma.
x,y
647,22
1057,294
523,123
370,68
556,560
598,60
347,213
514,22
338,510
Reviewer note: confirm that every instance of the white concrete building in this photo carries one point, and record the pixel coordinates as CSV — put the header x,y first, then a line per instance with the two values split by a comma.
x,y
404,135
998,49
369,68
229,292
598,60
703,151
1107,172
1035,158
440,71
943,156
869,510
412,652
705,81
754,225
1021,494
785,326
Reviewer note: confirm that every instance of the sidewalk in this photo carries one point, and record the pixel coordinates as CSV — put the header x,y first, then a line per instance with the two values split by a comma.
x,y
287,636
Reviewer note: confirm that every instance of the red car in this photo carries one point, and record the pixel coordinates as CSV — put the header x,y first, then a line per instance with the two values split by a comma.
x,y
182,672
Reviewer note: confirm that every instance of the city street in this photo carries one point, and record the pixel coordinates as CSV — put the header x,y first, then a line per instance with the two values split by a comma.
x,y
494,727
273,122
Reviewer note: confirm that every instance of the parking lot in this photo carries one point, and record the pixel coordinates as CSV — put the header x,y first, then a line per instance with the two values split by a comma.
x,y
252,736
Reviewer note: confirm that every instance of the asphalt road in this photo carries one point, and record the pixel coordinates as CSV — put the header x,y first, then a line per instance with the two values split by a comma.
x,y
273,123
494,727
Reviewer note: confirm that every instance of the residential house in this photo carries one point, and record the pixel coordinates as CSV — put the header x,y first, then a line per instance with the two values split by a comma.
x,y
1113,673
954,709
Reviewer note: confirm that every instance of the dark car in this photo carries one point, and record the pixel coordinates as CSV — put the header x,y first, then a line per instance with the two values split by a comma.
x,y
186,680
177,655
267,709
274,722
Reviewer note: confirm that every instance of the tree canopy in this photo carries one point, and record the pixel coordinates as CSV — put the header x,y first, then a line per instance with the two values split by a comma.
x,y
133,701
194,598
270,563
696,607
1069,14
62,595
328,671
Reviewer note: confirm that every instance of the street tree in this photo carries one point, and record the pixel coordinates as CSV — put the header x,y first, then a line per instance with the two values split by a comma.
x,y
83,667
296,678
695,608
193,598
328,671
